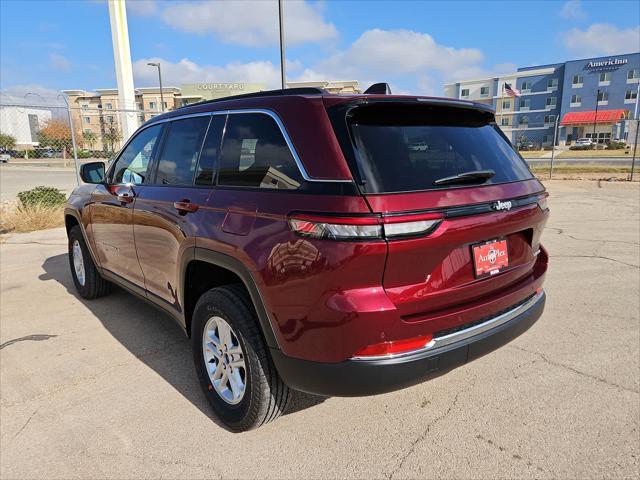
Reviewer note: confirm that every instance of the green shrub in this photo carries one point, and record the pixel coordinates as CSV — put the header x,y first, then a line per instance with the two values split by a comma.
x,y
44,196
616,145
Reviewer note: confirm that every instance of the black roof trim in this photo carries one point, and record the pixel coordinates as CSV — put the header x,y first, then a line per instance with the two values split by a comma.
x,y
263,93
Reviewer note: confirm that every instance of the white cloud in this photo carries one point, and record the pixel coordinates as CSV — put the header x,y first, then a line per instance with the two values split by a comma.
x,y
59,62
251,23
572,10
31,94
602,39
142,7
400,52
186,71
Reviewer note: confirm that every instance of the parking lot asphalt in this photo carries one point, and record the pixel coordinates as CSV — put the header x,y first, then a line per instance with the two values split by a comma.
x,y
107,389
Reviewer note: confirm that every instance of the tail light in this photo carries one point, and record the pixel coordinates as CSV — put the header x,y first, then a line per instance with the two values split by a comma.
x,y
395,347
542,201
364,228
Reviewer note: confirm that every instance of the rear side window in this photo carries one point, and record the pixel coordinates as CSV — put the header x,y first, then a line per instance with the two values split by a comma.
x,y
255,154
179,157
409,148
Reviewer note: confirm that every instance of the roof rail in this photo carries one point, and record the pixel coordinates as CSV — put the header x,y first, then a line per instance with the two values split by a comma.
x,y
265,93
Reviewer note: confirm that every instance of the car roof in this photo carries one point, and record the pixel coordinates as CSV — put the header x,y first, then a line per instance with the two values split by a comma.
x,y
259,99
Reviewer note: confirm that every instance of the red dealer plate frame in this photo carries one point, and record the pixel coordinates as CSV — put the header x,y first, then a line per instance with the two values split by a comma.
x,y
490,257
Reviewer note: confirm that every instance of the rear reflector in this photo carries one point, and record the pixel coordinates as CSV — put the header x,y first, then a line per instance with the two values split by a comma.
x,y
542,201
395,347
364,228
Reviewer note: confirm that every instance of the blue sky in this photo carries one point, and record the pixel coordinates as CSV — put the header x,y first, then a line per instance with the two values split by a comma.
x,y
416,46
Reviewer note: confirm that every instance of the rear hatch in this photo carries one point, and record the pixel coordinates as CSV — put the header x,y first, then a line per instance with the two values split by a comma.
x,y
450,163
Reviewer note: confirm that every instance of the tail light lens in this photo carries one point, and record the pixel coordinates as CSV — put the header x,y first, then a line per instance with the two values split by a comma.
x,y
395,347
542,201
364,228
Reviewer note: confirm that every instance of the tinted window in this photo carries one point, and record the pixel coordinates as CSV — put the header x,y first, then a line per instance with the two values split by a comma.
x,y
179,157
210,151
131,166
255,154
408,149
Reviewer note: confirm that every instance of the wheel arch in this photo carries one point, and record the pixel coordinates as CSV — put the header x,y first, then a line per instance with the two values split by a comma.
x,y
229,270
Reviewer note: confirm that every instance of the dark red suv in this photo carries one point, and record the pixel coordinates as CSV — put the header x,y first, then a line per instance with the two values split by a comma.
x,y
338,245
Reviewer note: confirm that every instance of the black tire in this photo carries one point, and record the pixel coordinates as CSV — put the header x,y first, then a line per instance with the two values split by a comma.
x,y
265,395
94,285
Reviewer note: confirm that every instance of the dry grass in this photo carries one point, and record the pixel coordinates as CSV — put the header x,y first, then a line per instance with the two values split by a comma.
x,y
19,219
594,153
600,169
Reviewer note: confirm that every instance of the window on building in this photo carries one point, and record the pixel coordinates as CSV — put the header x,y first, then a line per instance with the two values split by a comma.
x,y
577,80
524,121
131,165
139,105
552,83
484,91
152,105
603,96
179,157
547,139
86,120
210,151
88,130
525,103
108,106
506,104
605,78
504,121
255,154
141,118
85,106
549,120
526,87
552,102
165,105
464,92
576,100
109,118
630,95
633,74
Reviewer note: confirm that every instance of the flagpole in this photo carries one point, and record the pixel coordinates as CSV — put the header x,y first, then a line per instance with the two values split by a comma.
x,y
501,103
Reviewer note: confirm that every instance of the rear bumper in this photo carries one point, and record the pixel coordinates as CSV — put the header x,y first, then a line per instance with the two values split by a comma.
x,y
368,377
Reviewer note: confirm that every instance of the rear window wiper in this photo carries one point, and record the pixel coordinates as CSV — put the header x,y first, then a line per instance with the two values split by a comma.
x,y
474,176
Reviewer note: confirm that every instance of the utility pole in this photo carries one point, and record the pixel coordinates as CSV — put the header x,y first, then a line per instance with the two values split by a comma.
x,y
595,118
281,25
124,71
553,148
157,64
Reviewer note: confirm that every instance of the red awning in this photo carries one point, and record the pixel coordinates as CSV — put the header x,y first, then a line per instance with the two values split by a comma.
x,y
586,118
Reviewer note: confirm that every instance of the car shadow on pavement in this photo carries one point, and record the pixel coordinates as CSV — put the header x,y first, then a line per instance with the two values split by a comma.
x,y
152,337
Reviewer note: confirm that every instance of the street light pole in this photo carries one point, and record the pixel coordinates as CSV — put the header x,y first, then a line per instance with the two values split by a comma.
x,y
281,25
157,64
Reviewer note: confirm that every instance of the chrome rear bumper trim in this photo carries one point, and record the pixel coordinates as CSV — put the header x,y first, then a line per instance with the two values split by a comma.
x,y
461,335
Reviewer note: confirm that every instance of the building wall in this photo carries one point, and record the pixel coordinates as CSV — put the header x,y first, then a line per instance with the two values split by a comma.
x,y
533,104
23,124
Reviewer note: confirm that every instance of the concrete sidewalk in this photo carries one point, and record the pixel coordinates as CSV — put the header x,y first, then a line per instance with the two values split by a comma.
x,y
107,389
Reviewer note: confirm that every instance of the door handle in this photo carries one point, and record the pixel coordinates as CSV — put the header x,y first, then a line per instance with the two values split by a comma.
x,y
185,206
126,197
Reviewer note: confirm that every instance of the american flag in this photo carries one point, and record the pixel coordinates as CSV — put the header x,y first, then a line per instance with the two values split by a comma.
x,y
512,92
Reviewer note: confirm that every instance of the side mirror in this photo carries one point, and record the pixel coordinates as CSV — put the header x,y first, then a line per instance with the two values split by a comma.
x,y
92,172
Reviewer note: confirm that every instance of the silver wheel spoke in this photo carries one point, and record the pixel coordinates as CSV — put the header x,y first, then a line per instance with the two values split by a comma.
x,y
224,360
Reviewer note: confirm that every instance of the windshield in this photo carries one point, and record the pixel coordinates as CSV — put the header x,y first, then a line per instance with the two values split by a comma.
x,y
402,148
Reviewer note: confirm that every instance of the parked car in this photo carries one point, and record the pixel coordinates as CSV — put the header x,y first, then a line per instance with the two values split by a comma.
x,y
419,147
4,157
300,246
584,142
527,146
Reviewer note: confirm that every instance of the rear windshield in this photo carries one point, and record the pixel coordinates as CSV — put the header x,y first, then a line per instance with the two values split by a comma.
x,y
408,148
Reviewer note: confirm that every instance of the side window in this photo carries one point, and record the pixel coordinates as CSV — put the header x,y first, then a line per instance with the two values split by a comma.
x,y
131,165
210,151
255,154
179,157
